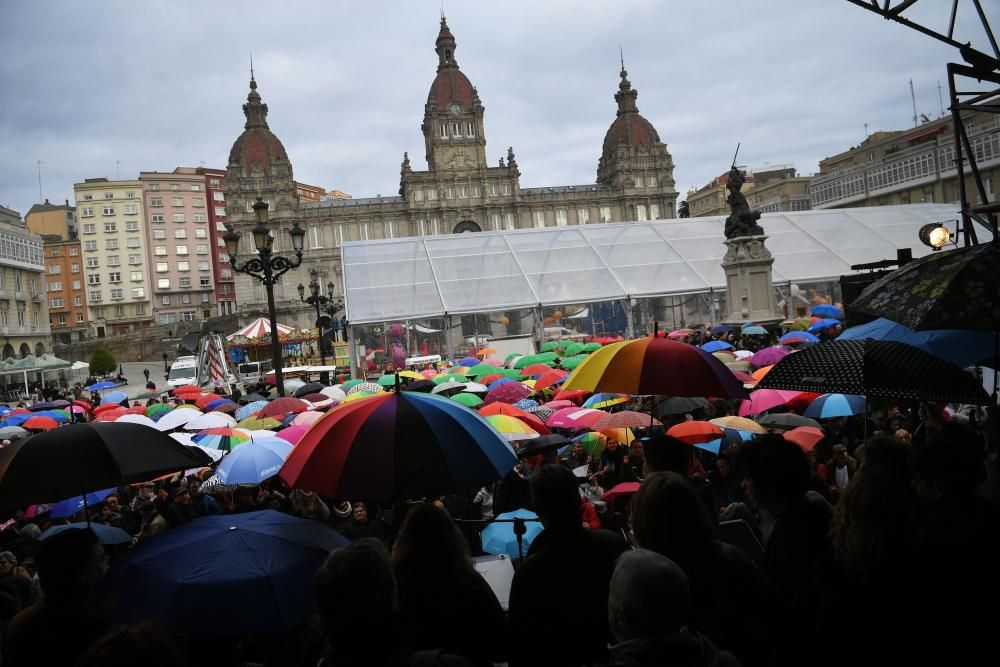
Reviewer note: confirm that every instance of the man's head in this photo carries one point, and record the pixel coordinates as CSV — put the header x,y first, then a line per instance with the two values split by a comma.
x,y
722,465
360,511
840,455
147,510
70,565
148,490
7,562
182,496
648,597
556,496
360,572
578,448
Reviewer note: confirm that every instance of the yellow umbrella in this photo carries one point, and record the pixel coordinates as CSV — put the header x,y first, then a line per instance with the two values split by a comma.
x,y
358,395
254,424
529,383
624,436
413,375
739,423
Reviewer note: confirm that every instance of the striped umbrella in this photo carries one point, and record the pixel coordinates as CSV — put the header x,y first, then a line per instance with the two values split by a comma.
x,y
627,419
157,410
225,439
605,400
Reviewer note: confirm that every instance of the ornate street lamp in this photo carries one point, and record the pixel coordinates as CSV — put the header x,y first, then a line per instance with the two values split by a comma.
x,y
316,300
267,268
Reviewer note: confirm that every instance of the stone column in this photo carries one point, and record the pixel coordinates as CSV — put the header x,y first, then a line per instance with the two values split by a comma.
x,y
749,286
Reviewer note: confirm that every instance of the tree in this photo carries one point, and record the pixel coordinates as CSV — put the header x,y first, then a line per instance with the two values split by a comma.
x,y
102,362
682,210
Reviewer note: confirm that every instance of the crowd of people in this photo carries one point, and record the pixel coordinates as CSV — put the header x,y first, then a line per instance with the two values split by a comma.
x,y
875,546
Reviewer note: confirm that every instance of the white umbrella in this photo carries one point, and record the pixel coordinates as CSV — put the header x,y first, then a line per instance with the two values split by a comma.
x,y
336,393
175,419
293,384
137,419
475,388
445,386
209,420
743,354
185,439
257,435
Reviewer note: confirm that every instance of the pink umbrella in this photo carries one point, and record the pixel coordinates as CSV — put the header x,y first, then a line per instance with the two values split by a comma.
x,y
293,433
428,374
559,405
769,356
765,399
492,361
306,418
511,392
575,418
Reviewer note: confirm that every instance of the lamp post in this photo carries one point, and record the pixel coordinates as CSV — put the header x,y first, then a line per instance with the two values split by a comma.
x,y
267,268
316,300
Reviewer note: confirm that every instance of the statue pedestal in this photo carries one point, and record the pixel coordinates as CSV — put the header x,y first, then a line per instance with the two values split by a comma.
x,y
749,286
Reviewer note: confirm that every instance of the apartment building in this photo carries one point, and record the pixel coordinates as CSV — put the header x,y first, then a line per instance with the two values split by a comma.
x,y
180,240
115,265
52,220
67,294
225,284
24,319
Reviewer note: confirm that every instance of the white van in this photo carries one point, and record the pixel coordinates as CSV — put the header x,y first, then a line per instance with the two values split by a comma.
x,y
252,372
183,371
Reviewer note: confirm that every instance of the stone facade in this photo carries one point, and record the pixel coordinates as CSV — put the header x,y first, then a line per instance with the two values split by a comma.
x,y
24,313
458,192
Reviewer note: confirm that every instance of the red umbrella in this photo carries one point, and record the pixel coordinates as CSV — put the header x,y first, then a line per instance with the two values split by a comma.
x,y
549,378
623,489
507,409
285,405
137,410
571,395
805,437
559,405
84,404
110,415
628,419
205,399
535,369
511,392
695,432
187,389
101,409
489,379
40,424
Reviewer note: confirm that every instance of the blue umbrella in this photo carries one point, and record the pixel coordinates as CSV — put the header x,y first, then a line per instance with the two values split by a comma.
x,y
5,410
113,397
828,406
499,538
496,383
58,415
793,336
469,361
716,345
961,347
249,409
71,506
820,325
106,534
253,462
826,310
104,384
16,420
251,564
719,329
754,330
526,404
214,404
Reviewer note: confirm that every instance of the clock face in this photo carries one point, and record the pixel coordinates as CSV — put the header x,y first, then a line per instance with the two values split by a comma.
x,y
456,108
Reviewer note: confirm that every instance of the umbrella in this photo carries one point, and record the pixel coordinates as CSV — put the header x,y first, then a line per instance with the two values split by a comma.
x,y
293,384
560,404
507,393
476,388
482,370
336,393
15,419
532,420
113,397
250,409
623,489
80,458
576,418
716,346
250,398
753,330
525,404
350,384
954,289
719,329
739,424
875,368
222,405
766,399
40,424
468,400
145,396
542,443
418,385
387,380
593,443
399,445
823,324
570,363
71,506
798,337
223,438
136,419
655,366
627,419
292,434
787,420
287,405
309,388
251,563
307,418
535,369
694,432
573,395
958,346
208,420
498,537
469,362
157,410
606,400
448,388
105,534
175,419
829,406
370,387
549,346
829,311
12,433
805,437
257,424
769,356
104,384
441,378
678,405
254,462
511,428
538,411
550,378
42,405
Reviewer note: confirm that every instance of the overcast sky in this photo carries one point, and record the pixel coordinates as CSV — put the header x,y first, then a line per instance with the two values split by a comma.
x,y
153,85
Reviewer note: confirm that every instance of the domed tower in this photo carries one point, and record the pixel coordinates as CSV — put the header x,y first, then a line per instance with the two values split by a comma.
x,y
453,116
633,156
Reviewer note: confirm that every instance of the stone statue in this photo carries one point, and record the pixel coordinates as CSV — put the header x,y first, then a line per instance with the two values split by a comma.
x,y
741,221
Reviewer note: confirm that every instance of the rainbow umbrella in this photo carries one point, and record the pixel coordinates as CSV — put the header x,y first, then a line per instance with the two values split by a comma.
x,y
398,445
593,442
225,439
511,428
157,410
606,400
655,366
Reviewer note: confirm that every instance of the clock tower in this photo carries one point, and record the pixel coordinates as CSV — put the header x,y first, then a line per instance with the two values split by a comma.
x,y
453,116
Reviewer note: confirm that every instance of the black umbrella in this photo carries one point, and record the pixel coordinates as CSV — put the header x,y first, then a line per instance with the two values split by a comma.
x,y
542,443
252,398
788,420
678,405
81,458
145,396
874,368
419,385
308,388
955,289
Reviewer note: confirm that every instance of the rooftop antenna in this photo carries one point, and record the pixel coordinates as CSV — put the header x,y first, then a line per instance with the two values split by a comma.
x,y
913,98
251,65
621,56
39,165
442,10
940,99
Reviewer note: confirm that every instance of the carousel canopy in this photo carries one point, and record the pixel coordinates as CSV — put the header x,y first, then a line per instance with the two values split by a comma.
x,y
259,332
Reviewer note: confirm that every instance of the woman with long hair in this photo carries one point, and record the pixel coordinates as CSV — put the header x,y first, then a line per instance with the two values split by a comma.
x,y
444,602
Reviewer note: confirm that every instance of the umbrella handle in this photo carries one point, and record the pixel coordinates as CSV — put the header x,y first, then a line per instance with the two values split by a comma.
x,y
520,528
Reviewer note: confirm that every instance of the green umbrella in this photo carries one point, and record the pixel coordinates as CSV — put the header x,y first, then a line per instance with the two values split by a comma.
x,y
739,365
569,363
573,349
157,409
511,356
481,370
724,357
546,358
510,373
549,346
592,347
468,400
448,377
387,380
350,383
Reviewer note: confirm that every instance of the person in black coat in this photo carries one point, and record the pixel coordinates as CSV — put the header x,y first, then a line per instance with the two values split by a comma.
x,y
564,579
